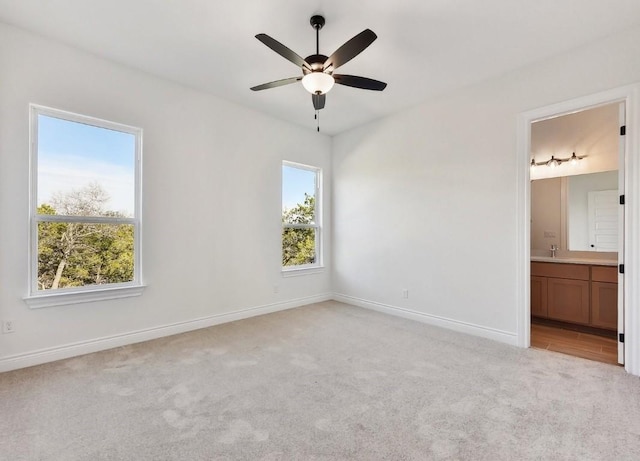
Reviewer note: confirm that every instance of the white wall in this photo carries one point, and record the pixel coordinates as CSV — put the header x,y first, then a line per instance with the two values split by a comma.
x,y
211,199
426,199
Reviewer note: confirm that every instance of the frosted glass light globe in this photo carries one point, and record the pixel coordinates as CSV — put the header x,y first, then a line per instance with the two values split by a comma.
x,y
317,82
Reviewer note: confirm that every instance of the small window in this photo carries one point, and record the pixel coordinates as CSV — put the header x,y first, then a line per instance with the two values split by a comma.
x,y
301,217
85,207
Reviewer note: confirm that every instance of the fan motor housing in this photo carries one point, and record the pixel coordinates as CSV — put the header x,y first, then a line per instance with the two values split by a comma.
x,y
317,63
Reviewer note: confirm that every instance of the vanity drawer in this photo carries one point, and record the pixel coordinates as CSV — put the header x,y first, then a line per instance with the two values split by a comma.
x,y
604,274
560,271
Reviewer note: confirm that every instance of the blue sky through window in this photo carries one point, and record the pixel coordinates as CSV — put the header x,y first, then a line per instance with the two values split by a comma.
x,y
295,182
71,155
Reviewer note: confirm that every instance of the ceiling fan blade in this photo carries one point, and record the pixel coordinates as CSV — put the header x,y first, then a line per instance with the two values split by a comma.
x,y
283,51
277,83
351,49
318,101
360,82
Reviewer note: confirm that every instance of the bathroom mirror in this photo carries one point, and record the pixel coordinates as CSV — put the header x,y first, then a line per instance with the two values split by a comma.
x,y
576,213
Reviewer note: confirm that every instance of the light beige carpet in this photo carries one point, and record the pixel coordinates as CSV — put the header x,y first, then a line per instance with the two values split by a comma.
x,y
323,382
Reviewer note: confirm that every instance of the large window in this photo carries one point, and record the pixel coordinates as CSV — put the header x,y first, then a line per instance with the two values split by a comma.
x,y
301,226
85,208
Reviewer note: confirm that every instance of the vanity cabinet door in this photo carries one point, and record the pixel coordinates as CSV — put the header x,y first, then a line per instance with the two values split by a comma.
x,y
604,305
539,296
568,300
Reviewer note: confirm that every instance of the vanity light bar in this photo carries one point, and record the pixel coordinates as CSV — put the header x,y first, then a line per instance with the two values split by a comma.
x,y
554,162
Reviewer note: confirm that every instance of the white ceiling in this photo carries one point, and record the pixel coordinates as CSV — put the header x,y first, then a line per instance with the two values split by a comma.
x,y
424,47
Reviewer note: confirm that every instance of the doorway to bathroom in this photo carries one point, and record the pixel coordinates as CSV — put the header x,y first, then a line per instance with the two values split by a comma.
x,y
577,232
571,282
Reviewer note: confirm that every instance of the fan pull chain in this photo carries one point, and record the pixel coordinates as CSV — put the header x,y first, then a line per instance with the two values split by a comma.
x,y
317,117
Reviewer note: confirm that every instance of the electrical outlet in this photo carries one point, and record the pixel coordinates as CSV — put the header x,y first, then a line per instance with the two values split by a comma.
x,y
276,289
405,293
8,326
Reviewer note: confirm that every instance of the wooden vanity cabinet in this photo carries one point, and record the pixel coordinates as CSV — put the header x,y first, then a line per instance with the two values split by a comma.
x,y
575,293
604,297
568,300
539,296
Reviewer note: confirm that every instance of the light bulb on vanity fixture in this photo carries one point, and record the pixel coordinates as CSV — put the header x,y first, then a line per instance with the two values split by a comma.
x,y
554,162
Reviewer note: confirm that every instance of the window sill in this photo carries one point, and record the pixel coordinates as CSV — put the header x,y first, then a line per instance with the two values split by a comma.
x,y
297,271
77,297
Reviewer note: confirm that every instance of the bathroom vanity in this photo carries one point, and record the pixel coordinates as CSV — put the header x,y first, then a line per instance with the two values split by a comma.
x,y
582,292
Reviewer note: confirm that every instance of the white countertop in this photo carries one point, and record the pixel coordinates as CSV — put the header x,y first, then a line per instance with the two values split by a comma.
x,y
561,260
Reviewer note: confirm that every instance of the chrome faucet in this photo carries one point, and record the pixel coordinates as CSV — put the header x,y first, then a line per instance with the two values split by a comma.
x,y
554,248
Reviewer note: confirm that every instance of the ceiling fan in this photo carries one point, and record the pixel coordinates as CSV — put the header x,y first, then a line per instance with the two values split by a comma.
x,y
317,70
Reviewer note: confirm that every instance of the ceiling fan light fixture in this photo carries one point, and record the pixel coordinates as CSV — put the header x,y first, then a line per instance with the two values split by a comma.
x,y
318,82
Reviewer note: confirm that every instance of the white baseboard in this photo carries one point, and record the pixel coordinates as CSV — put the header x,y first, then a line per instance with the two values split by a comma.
x,y
456,325
99,344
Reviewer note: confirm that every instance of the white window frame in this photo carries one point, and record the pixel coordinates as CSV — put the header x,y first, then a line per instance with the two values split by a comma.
x,y
317,223
45,298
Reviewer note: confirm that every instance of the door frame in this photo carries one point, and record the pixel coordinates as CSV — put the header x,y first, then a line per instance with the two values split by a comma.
x,y
631,253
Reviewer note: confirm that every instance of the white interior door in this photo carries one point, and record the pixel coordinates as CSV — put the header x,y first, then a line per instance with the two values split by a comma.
x,y
621,224
602,212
